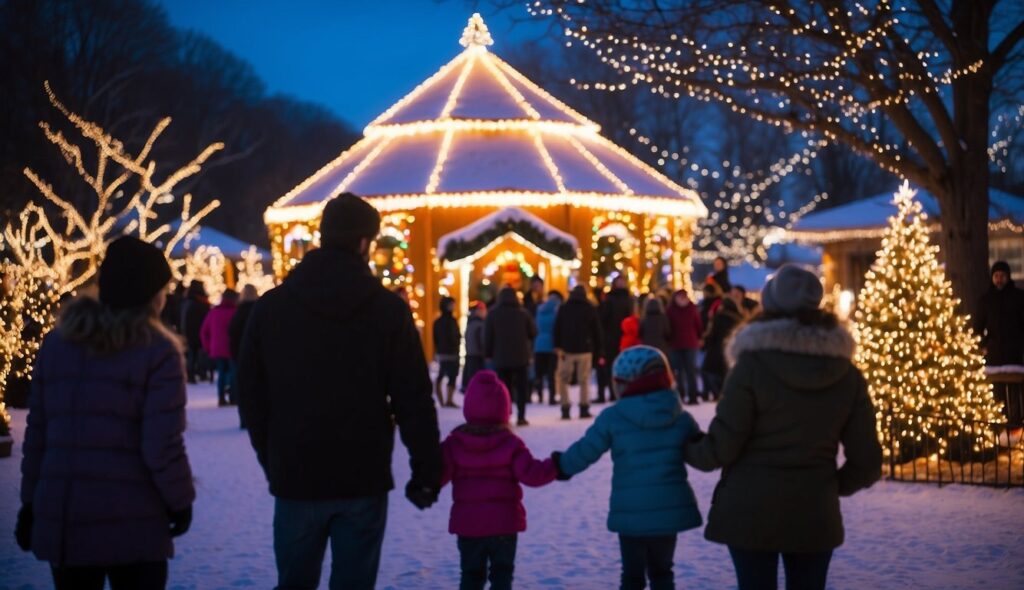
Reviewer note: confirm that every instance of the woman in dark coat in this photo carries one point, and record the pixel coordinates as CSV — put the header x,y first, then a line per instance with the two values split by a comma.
x,y
722,325
655,329
792,396
105,480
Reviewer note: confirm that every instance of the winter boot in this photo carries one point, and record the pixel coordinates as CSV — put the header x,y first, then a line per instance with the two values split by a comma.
x,y
585,412
565,413
450,403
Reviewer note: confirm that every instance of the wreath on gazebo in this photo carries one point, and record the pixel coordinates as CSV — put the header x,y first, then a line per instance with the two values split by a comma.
x,y
458,248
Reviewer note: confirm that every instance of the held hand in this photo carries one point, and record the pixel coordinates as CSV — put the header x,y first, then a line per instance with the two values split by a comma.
x,y
421,496
556,457
23,528
180,521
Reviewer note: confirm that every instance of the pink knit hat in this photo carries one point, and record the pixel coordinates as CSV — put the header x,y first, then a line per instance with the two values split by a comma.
x,y
487,401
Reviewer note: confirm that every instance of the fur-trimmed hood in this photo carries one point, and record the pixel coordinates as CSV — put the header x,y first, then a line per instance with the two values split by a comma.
x,y
789,335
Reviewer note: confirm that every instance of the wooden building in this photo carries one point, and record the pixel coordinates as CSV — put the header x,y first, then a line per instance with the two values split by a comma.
x,y
483,179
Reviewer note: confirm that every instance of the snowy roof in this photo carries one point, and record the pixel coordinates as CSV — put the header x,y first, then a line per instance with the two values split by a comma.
x,y
873,213
479,133
230,246
509,215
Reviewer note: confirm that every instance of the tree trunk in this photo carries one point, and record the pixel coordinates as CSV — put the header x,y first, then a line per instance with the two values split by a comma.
x,y
964,200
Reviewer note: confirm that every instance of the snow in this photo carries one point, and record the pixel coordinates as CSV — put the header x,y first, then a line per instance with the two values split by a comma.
x,y
898,535
480,226
479,161
873,212
1004,369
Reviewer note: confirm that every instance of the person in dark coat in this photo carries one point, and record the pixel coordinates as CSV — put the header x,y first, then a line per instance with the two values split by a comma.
x,y
577,338
508,335
616,306
655,329
475,350
720,275
746,305
106,483
193,313
714,367
534,296
447,342
236,330
171,315
1000,323
330,363
792,397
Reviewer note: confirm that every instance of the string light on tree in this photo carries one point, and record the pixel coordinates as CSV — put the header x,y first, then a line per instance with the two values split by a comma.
x,y
250,271
920,357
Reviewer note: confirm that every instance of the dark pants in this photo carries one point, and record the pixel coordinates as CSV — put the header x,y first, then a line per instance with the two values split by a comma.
x,y
193,363
713,384
225,379
475,553
684,367
134,576
545,364
517,382
647,558
448,369
474,364
604,378
759,570
355,528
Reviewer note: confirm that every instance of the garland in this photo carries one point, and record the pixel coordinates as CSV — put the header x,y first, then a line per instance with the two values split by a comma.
x,y
458,249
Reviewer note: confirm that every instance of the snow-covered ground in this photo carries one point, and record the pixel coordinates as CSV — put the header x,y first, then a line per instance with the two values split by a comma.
x,y
898,535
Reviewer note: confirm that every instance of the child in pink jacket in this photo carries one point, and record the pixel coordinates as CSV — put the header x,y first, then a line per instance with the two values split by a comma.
x,y
486,462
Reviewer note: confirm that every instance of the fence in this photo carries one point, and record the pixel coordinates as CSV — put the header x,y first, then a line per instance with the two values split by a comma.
x,y
983,453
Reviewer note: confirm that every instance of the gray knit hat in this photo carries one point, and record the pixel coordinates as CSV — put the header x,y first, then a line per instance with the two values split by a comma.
x,y
792,289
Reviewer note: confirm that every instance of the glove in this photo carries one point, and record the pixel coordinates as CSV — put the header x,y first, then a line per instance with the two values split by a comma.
x,y
180,521
556,457
23,528
421,496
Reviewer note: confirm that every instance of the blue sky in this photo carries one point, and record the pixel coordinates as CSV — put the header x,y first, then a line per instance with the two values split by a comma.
x,y
354,57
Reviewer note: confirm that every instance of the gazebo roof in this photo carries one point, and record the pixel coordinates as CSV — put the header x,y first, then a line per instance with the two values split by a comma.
x,y
479,133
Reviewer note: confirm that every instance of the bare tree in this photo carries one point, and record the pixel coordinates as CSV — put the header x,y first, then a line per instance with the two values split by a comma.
x,y
933,69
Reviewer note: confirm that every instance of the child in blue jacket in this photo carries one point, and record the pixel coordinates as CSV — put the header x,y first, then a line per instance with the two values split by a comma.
x,y
646,430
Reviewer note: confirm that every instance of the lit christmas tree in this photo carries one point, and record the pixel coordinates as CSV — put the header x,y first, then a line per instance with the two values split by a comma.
x,y
919,355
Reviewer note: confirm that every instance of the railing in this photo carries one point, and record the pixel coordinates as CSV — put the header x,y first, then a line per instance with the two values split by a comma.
x,y
979,453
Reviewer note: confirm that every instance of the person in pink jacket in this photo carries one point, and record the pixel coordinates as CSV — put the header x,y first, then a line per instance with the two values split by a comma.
x,y
486,462
216,338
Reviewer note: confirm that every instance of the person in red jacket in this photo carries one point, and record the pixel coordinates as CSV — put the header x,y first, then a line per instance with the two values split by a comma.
x,y
486,462
631,326
216,338
684,344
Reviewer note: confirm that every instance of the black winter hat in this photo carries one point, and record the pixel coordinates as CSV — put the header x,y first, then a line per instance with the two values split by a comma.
x,y
346,218
1000,265
132,273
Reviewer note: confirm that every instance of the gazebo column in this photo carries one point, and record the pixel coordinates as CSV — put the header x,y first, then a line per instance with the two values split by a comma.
x,y
424,279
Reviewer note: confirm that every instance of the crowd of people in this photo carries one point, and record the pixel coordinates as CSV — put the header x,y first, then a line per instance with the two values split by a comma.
x,y
540,340
106,482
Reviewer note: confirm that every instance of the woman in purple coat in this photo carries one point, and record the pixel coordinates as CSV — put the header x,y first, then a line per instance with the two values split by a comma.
x,y
105,480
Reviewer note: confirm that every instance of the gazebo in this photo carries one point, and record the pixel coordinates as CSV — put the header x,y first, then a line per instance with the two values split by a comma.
x,y
483,179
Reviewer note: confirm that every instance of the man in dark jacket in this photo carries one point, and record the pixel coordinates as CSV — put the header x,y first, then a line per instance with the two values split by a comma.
x,y
475,350
508,335
330,363
447,341
617,305
1000,323
577,340
193,312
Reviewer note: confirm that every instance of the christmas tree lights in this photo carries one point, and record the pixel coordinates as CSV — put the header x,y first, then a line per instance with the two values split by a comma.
x,y
918,353
250,272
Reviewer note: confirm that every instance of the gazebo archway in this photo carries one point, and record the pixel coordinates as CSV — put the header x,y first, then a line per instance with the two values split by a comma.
x,y
505,247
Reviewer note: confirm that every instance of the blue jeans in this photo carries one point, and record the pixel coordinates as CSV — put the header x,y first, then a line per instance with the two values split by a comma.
x,y
476,552
355,528
225,371
647,557
759,570
684,367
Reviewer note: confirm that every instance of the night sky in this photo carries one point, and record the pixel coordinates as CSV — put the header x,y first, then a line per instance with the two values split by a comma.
x,y
354,57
